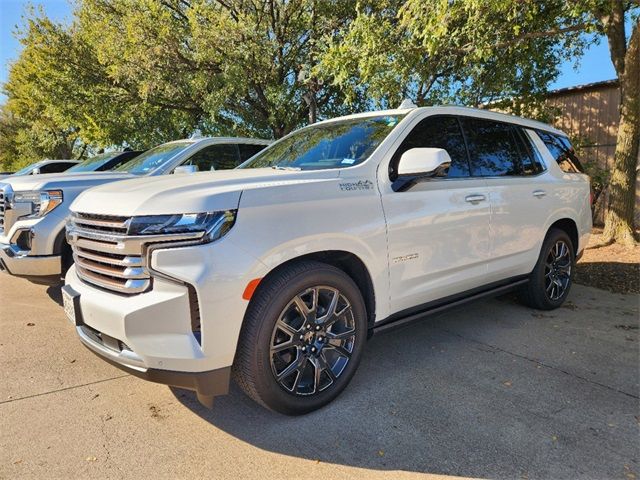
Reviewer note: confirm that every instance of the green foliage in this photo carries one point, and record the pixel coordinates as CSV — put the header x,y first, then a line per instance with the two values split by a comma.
x,y
141,72
468,52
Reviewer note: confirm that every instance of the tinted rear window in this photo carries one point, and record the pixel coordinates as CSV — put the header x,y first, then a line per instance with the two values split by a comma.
x,y
562,151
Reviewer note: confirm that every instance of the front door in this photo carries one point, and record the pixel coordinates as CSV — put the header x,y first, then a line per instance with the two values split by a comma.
x,y
437,230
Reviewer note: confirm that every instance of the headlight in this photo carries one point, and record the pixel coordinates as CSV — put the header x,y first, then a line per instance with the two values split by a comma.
x,y
36,203
214,224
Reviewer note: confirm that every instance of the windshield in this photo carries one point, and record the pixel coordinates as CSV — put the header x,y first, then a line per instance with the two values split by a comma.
x,y
332,145
152,159
94,163
27,169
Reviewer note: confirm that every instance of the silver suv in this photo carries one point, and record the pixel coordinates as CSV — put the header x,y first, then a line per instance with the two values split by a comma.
x,y
34,209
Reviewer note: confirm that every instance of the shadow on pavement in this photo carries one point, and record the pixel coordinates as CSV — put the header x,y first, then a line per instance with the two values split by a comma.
x,y
55,294
432,398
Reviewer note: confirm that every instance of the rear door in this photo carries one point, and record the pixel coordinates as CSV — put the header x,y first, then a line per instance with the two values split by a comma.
x,y
437,230
503,155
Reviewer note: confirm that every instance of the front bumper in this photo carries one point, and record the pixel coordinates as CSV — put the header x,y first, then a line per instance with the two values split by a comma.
x,y
153,335
207,384
45,269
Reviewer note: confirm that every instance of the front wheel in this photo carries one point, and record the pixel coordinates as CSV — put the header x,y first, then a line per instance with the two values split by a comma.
x,y
551,279
302,338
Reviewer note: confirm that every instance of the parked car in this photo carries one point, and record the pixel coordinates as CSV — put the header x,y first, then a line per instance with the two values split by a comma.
x,y
277,272
44,166
33,210
104,161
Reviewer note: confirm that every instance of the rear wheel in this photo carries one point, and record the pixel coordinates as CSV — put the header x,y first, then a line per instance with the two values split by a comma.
x,y
302,339
551,279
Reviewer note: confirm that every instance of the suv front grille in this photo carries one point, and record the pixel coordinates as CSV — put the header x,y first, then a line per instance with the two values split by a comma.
x,y
101,255
108,257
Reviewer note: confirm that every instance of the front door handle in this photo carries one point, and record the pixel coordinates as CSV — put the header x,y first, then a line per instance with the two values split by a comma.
x,y
539,193
475,199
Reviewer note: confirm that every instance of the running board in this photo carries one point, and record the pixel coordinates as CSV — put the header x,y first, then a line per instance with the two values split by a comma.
x,y
400,319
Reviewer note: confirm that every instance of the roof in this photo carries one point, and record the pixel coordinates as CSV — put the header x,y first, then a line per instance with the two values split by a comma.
x,y
253,141
455,110
587,86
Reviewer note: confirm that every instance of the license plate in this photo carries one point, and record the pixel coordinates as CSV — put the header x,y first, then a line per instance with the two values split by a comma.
x,y
69,306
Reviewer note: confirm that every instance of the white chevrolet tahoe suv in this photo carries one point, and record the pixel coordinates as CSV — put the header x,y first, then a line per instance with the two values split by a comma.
x,y
34,209
278,271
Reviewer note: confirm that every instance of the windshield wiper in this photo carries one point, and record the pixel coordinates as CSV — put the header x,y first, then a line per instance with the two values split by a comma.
x,y
280,167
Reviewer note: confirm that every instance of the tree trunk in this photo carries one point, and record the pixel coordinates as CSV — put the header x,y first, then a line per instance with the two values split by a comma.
x,y
619,216
312,103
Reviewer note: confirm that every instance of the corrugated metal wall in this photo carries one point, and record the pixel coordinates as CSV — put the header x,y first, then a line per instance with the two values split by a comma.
x,y
590,116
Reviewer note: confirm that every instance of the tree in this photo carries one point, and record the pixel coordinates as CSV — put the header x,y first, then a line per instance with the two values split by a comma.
x,y
240,66
62,104
465,52
140,72
474,52
619,215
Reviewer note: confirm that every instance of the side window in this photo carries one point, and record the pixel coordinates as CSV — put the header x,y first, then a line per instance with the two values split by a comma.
x,y
535,152
436,132
56,167
562,151
525,153
215,157
248,150
492,148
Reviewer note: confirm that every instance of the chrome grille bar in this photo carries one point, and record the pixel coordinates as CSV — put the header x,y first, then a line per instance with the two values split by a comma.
x,y
103,258
125,244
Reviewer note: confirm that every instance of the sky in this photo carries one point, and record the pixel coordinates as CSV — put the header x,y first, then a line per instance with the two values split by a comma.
x,y
593,67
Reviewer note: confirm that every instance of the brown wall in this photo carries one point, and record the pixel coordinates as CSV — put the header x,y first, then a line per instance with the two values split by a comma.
x,y
589,115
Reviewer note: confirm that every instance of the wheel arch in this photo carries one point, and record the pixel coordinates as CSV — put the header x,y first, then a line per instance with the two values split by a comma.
x,y
570,227
350,264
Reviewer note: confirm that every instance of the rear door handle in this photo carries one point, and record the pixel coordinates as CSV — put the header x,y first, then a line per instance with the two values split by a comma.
x,y
539,193
475,199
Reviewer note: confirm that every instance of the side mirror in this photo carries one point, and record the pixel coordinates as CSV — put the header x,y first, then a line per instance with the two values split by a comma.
x,y
423,162
35,171
185,169
419,164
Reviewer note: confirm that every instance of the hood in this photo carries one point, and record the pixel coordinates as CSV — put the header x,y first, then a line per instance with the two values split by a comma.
x,y
198,192
49,181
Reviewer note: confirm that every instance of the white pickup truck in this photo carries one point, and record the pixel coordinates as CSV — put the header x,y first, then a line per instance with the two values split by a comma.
x,y
34,209
277,272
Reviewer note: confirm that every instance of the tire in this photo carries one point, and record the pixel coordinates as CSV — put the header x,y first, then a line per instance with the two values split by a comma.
x,y
552,277
286,340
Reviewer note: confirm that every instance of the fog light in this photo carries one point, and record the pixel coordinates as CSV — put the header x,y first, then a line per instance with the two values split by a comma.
x,y
23,240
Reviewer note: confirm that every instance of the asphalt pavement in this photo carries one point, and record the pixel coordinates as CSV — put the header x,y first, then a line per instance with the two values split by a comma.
x,y
490,390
